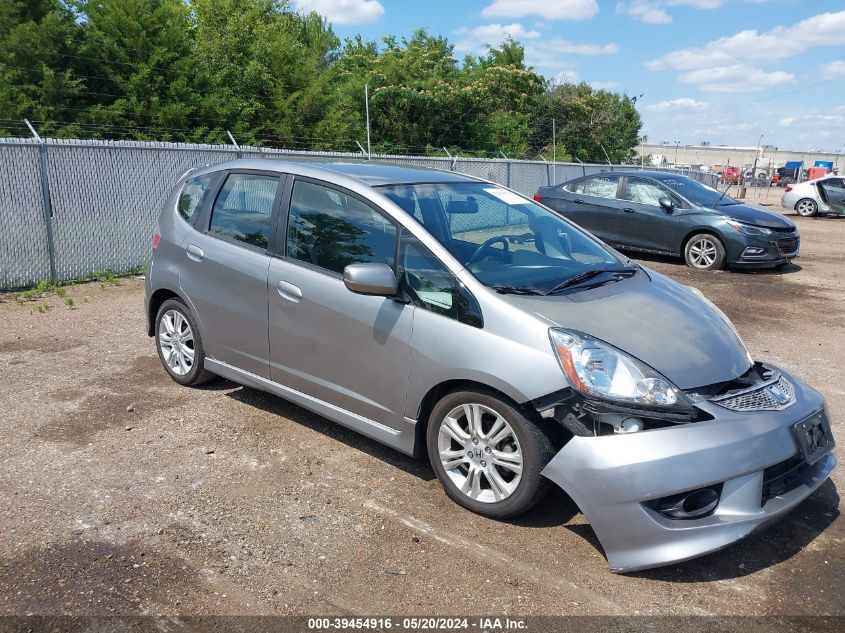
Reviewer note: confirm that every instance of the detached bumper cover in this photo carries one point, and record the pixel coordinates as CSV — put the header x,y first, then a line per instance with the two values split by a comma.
x,y
611,478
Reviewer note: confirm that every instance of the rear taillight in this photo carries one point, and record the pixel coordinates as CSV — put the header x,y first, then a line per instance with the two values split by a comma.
x,y
537,197
788,189
156,237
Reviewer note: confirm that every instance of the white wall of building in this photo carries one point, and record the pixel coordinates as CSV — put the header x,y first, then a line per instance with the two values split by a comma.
x,y
710,155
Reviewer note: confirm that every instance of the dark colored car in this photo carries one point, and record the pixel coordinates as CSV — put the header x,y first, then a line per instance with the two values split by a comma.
x,y
670,214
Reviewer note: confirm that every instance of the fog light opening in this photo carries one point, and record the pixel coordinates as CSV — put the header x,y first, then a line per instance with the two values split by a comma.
x,y
695,504
753,251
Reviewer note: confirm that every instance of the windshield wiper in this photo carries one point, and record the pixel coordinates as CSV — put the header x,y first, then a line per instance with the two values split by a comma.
x,y
589,274
518,290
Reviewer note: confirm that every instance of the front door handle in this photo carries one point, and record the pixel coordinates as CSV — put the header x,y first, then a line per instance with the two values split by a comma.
x,y
578,201
628,210
289,291
195,253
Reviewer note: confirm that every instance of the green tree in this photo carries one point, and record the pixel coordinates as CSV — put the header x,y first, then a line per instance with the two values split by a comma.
x,y
592,125
38,40
137,61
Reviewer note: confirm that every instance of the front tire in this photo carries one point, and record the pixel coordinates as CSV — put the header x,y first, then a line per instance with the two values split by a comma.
x,y
487,454
179,344
704,251
806,207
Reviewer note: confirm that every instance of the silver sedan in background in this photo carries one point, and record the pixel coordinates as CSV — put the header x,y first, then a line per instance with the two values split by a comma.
x,y
814,197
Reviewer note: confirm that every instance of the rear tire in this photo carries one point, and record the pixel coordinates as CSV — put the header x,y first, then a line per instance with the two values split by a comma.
x,y
806,208
487,454
704,251
179,344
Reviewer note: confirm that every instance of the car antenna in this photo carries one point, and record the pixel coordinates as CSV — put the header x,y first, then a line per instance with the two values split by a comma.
x,y
730,184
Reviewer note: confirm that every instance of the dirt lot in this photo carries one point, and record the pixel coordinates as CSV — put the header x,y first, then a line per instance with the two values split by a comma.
x,y
121,492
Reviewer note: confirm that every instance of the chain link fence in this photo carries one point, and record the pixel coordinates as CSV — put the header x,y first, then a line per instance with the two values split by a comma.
x,y
73,208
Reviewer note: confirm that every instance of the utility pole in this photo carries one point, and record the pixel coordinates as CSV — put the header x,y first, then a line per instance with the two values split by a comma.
x,y
367,108
642,153
756,158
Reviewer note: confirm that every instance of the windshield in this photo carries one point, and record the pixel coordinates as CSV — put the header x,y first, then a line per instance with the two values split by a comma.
x,y
696,192
508,242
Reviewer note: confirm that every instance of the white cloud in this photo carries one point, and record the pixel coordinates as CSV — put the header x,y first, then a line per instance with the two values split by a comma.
x,y
539,51
653,11
565,77
548,9
812,119
735,78
605,85
834,70
344,11
684,104
645,11
548,53
491,34
779,43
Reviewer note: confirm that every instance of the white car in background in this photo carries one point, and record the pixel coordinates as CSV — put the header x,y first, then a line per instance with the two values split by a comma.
x,y
823,195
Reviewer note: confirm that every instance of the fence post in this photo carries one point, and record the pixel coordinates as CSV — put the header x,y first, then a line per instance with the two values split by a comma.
x,y
45,199
238,152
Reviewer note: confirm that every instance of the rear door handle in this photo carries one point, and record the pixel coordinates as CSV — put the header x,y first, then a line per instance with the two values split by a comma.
x,y
195,253
578,201
289,291
628,210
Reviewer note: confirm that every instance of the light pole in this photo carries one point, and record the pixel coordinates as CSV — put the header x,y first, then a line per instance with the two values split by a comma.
x,y
677,143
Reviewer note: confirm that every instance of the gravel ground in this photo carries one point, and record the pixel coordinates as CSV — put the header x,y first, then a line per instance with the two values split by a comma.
x,y
124,493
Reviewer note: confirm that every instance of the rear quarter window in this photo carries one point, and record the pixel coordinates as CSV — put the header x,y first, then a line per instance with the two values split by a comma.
x,y
192,196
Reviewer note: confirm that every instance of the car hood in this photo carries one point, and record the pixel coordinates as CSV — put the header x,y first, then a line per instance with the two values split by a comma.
x,y
660,322
756,216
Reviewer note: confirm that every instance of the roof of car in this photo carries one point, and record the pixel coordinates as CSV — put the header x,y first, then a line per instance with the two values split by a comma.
x,y
376,174
373,174
657,175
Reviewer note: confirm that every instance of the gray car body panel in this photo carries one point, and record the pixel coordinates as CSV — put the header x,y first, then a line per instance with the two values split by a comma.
x,y
369,362
699,349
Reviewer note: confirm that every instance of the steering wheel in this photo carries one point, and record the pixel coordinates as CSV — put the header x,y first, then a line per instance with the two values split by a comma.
x,y
479,252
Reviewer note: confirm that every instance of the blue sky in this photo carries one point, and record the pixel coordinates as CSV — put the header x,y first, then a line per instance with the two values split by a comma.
x,y
724,71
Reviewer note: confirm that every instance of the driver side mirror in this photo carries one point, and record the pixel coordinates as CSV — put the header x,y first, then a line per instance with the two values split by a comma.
x,y
370,279
666,204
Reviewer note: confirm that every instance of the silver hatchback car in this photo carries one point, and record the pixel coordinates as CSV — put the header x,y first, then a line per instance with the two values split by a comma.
x,y
446,315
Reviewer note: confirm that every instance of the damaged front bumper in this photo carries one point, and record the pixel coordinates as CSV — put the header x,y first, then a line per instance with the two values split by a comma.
x,y
616,479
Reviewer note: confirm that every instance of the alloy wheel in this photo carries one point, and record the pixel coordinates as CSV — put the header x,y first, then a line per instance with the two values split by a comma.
x,y
480,453
176,340
703,252
806,207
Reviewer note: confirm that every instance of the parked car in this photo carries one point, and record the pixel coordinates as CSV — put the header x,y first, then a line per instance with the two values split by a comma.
x,y
444,315
825,195
671,214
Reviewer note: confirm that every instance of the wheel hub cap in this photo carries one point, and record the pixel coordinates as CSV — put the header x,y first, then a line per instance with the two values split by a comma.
x,y
176,342
702,253
480,453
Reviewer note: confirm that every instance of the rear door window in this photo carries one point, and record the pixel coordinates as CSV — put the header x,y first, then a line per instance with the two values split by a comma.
x,y
244,209
601,186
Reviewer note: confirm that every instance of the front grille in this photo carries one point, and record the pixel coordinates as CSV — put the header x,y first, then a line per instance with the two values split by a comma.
x,y
783,477
787,245
775,394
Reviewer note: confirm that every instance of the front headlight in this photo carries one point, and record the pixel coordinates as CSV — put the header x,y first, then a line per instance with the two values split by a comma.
x,y
748,229
596,368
